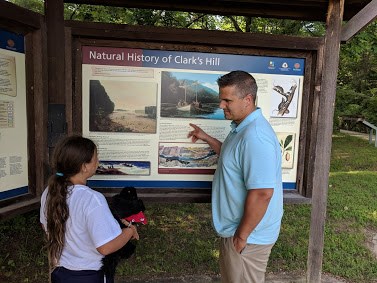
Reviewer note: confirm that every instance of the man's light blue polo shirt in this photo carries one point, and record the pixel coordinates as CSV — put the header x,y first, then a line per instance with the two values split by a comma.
x,y
250,158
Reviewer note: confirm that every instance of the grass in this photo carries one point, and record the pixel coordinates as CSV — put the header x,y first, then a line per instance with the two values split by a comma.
x,y
179,239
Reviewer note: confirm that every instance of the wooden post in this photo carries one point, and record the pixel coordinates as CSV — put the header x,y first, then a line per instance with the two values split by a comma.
x,y
324,139
370,135
37,151
54,13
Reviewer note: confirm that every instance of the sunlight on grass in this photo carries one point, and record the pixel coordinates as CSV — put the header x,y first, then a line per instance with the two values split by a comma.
x,y
183,244
374,215
352,203
216,254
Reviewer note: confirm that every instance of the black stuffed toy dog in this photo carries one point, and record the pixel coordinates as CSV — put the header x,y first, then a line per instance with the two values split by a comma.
x,y
123,205
127,203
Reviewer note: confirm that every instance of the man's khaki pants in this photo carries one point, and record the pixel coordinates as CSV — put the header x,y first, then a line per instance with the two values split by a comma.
x,y
249,266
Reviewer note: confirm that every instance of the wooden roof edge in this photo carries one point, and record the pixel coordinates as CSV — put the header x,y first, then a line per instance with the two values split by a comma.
x,y
164,34
25,17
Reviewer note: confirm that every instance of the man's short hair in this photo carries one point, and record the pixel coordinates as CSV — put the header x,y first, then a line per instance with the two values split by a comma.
x,y
244,82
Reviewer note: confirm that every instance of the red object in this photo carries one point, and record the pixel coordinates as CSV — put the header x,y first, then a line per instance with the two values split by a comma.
x,y
137,218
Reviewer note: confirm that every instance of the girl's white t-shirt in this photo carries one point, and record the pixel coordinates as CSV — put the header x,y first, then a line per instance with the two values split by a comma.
x,y
90,225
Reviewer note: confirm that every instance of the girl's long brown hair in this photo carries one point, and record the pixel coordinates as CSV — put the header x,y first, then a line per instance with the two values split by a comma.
x,y
69,156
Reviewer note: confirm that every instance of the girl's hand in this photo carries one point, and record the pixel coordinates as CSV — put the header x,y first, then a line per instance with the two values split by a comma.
x,y
135,234
125,222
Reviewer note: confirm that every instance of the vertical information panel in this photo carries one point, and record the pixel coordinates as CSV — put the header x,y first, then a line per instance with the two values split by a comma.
x,y
13,121
138,103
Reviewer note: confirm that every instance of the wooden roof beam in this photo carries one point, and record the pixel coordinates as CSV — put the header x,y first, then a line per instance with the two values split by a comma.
x,y
24,17
359,21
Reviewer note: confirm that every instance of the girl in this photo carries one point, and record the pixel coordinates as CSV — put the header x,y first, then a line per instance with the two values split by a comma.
x,y
79,225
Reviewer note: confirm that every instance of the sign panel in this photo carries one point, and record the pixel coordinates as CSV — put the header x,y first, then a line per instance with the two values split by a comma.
x,y
137,106
13,121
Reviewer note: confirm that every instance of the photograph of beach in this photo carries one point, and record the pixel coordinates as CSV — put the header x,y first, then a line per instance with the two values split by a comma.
x,y
123,106
136,168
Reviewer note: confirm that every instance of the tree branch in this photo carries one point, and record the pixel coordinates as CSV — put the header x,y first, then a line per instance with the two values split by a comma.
x,y
235,24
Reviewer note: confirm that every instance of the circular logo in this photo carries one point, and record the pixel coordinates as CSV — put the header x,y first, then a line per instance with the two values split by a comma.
x,y
10,43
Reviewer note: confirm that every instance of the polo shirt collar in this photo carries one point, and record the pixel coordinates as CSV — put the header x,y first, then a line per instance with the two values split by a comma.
x,y
249,118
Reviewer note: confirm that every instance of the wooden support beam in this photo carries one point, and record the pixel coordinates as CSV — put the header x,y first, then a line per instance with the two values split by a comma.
x,y
359,21
324,140
54,14
54,10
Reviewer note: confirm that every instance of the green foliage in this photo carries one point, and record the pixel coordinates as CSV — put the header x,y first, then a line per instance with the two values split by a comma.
x,y
95,13
351,217
270,26
151,17
352,210
358,73
23,258
348,156
178,238
33,5
351,103
290,251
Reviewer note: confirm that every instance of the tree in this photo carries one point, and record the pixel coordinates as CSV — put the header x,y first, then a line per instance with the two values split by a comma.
x,y
357,76
358,61
33,5
150,17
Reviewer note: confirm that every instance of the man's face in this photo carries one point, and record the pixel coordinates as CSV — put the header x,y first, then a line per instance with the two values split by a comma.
x,y
234,107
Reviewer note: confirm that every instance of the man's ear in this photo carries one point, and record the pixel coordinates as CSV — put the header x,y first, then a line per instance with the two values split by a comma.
x,y
250,100
253,100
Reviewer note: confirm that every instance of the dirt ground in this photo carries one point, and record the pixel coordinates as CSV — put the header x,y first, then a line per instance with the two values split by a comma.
x,y
270,278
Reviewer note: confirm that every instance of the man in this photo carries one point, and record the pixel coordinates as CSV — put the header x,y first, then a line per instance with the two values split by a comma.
x,y
247,194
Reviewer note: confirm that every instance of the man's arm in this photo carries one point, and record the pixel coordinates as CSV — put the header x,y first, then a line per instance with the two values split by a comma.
x,y
199,134
256,204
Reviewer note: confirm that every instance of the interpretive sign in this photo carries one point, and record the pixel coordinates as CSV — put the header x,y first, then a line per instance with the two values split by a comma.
x,y
138,103
13,121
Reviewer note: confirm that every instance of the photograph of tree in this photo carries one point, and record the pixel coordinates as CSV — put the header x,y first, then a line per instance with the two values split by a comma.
x,y
284,97
122,106
190,95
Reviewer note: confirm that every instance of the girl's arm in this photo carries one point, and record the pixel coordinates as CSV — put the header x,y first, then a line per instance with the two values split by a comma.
x,y
117,243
